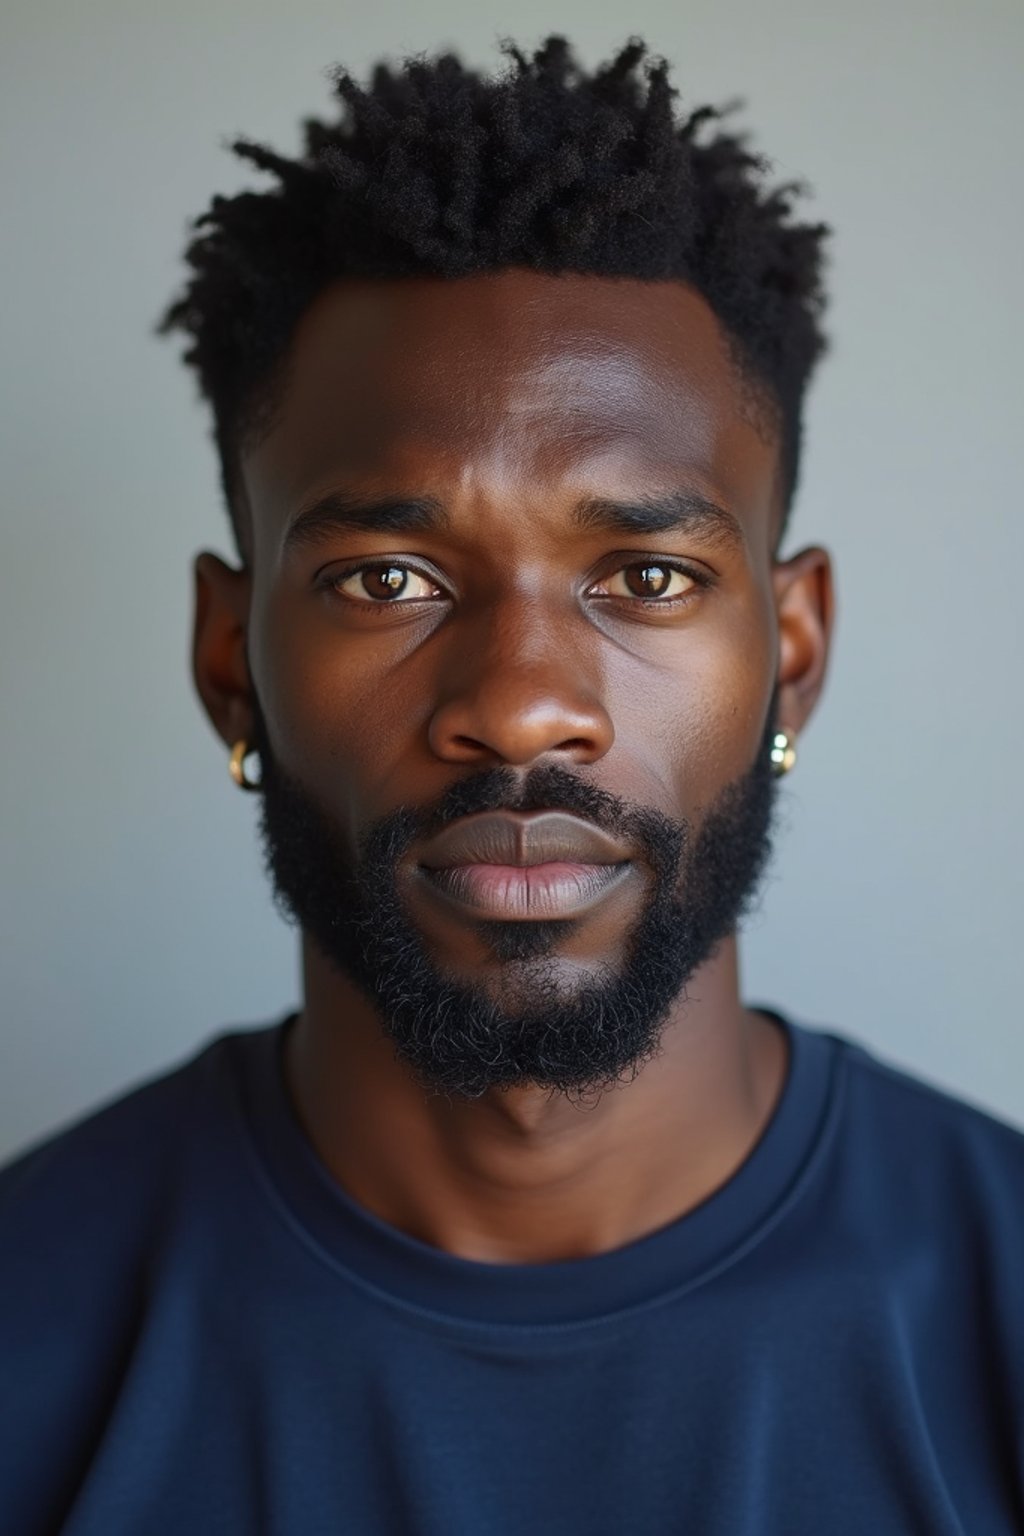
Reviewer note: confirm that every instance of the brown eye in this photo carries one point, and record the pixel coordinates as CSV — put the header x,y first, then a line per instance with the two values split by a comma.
x,y
647,580
385,584
650,580
385,581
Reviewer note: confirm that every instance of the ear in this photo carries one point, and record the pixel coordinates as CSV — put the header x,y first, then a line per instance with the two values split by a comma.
x,y
805,607
220,665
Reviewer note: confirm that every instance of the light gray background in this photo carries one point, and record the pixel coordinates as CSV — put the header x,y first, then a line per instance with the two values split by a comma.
x,y
136,921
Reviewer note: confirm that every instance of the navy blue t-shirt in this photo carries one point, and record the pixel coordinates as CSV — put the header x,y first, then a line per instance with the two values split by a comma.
x,y
201,1333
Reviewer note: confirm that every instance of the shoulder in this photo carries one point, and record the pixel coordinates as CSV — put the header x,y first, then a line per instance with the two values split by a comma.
x,y
928,1158
105,1170
91,1217
97,1222
896,1098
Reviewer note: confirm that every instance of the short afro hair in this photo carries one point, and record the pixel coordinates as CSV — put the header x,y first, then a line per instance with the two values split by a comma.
x,y
435,169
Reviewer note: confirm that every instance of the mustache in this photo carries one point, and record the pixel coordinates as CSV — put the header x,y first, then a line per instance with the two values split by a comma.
x,y
546,787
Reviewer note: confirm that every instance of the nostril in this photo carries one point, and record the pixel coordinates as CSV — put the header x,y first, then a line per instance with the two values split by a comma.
x,y
473,748
510,725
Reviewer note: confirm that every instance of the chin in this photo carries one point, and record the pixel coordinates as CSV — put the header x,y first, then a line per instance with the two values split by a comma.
x,y
509,942
531,973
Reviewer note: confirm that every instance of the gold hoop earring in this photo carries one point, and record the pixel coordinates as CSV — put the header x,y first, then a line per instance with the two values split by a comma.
x,y
783,752
236,766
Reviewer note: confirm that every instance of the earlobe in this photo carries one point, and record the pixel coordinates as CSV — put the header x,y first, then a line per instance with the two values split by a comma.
x,y
805,607
220,665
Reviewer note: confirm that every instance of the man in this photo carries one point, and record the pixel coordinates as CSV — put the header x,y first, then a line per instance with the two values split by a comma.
x,y
524,1221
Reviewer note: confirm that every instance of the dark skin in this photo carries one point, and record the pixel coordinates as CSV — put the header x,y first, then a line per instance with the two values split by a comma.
x,y
521,635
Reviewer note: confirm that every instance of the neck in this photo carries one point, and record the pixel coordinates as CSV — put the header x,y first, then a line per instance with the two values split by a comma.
x,y
522,1175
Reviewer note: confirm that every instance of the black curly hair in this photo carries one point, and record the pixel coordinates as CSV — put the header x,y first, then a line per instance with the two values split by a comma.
x,y
434,168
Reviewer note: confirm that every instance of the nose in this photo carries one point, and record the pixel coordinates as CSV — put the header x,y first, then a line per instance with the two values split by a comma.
x,y
515,687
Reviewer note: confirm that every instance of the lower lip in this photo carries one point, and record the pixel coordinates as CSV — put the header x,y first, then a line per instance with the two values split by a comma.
x,y
537,893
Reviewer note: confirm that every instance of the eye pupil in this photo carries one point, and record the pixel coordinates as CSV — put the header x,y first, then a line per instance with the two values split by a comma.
x,y
647,580
385,581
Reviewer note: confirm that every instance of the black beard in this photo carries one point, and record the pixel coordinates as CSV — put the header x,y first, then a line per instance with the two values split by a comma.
x,y
463,1039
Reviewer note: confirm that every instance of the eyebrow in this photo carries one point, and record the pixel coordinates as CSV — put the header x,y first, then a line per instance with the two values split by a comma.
x,y
361,514
686,512
683,511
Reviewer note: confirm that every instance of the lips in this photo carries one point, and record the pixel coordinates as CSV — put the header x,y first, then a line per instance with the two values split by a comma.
x,y
513,866
523,841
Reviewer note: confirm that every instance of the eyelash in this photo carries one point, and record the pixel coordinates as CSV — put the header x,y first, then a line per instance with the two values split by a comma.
x,y
701,580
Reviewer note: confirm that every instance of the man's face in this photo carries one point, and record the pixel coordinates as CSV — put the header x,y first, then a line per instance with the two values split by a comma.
x,y
518,523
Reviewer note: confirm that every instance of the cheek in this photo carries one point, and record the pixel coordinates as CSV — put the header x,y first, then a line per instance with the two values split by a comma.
x,y
691,711
342,711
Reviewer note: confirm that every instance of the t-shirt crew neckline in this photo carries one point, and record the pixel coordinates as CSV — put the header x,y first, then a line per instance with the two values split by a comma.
x,y
652,1269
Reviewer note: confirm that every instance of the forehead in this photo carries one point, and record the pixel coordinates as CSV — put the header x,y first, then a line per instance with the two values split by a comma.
x,y
512,380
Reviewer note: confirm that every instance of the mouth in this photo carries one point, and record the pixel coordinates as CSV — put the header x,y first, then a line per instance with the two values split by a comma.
x,y
516,867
